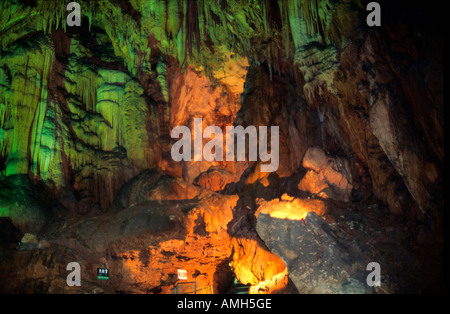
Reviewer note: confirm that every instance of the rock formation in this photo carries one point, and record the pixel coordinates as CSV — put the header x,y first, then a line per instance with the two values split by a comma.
x,y
326,177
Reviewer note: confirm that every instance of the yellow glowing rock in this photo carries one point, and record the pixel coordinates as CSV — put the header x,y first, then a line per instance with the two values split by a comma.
x,y
253,263
233,72
29,238
291,208
271,285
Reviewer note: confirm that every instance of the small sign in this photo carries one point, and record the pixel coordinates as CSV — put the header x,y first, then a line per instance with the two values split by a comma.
x,y
182,274
103,273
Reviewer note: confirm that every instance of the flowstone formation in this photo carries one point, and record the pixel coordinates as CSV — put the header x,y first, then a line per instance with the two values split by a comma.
x,y
87,175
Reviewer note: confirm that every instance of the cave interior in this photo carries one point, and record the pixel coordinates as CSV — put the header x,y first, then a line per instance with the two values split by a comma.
x,y
87,167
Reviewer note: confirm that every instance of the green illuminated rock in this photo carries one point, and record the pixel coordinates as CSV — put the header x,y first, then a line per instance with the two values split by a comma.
x,y
19,202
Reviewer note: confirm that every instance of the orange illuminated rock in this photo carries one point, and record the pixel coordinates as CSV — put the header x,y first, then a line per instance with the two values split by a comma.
x,y
315,159
233,72
271,285
326,176
257,176
175,189
314,183
253,263
290,208
212,214
156,266
215,179
204,250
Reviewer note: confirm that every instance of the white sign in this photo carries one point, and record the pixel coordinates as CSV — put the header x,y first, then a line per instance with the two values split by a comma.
x,y
182,274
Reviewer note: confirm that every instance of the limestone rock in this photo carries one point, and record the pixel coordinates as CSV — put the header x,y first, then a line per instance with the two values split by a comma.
x,y
326,176
29,238
215,179
315,159
151,185
158,227
290,207
29,242
315,183
18,202
319,258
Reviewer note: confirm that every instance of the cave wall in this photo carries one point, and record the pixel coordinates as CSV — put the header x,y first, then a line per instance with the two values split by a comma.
x,y
100,118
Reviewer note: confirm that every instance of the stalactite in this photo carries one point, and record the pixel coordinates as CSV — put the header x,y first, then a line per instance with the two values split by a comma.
x,y
162,73
181,28
192,27
181,25
270,72
264,5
